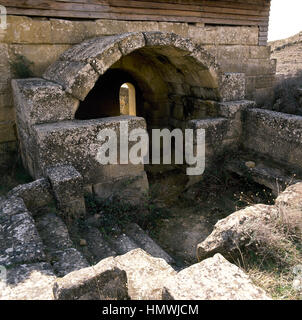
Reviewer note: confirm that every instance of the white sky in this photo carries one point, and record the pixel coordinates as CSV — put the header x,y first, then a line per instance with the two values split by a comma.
x,y
285,19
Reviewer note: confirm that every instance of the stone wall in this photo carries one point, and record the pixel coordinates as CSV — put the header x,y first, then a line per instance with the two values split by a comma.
x,y
43,40
274,135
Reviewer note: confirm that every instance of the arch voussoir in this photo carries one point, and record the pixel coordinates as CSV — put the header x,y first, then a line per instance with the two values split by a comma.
x,y
78,68
76,77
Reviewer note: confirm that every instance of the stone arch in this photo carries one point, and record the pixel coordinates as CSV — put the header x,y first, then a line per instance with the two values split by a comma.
x,y
79,68
173,72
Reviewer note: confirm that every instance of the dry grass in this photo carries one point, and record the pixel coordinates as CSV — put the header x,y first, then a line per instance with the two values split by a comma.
x,y
274,249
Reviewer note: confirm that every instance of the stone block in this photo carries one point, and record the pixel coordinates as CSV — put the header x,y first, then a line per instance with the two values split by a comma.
x,y
21,29
104,281
113,27
257,67
102,52
232,86
67,185
212,279
275,135
264,81
42,55
215,129
19,239
234,109
72,32
168,39
76,143
77,78
260,52
36,194
224,35
39,101
146,275
181,29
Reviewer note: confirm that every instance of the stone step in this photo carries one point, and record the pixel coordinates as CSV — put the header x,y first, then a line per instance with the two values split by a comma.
x,y
20,242
97,247
141,238
122,244
269,174
58,246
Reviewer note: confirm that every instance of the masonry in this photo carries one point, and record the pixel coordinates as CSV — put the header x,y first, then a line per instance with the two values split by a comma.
x,y
236,48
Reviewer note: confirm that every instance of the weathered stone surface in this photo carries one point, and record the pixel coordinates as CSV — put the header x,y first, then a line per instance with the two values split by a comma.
x,y
53,232
181,29
19,239
72,32
28,282
232,233
144,242
22,29
291,197
67,260
76,143
77,78
122,244
12,206
234,109
212,279
275,135
40,101
41,55
35,194
67,185
155,39
232,86
58,245
102,52
97,246
215,129
100,282
220,35
146,275
264,172
132,188
112,27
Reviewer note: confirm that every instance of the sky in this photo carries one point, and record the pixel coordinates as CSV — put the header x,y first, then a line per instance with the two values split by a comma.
x,y
285,19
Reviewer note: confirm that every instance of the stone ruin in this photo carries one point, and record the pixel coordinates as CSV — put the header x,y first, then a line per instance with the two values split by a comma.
x,y
58,127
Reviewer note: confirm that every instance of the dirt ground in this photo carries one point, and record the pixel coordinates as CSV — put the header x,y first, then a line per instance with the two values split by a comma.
x,y
193,212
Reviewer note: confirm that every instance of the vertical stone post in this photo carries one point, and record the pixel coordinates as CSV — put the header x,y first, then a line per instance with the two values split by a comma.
x,y
67,185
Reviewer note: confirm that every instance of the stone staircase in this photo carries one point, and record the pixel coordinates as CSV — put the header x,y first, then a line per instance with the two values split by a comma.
x,y
99,246
43,238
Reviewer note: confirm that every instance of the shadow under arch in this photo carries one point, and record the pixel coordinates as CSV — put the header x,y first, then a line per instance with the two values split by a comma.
x,y
104,98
